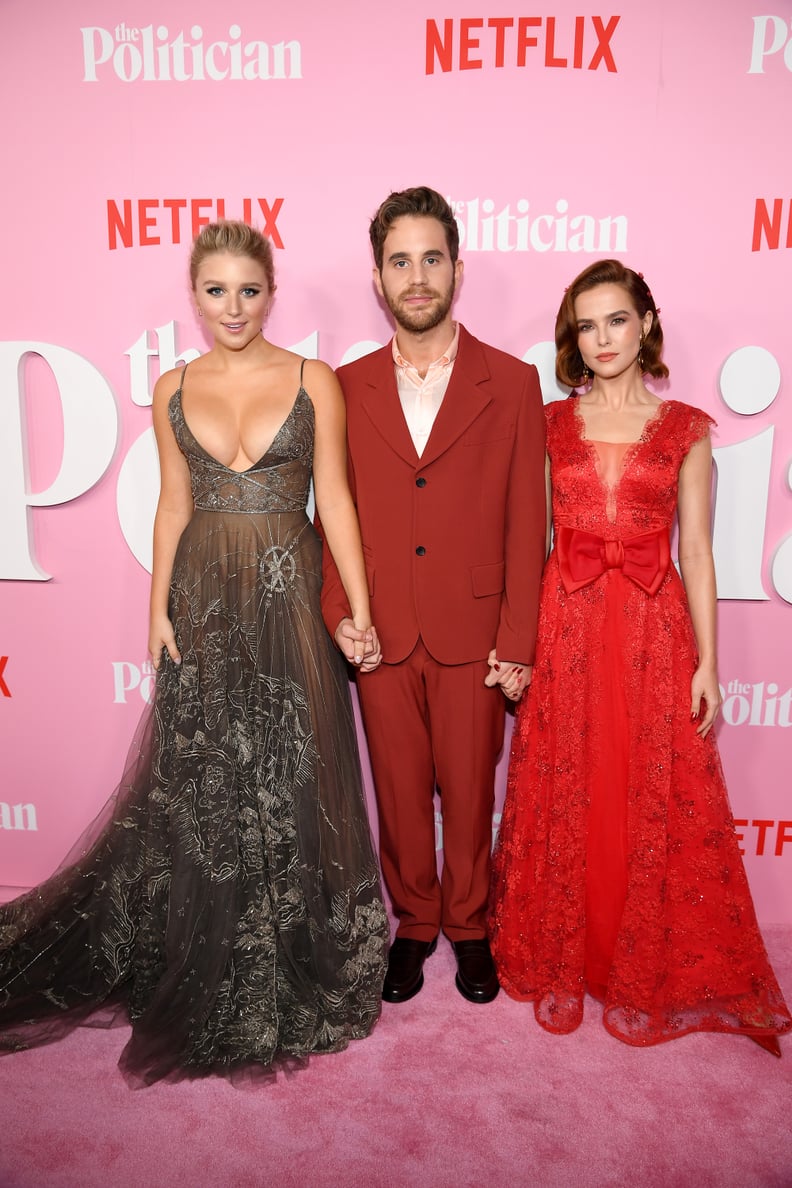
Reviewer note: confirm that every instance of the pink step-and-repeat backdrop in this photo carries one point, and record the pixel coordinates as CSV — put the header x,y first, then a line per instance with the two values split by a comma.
x,y
561,133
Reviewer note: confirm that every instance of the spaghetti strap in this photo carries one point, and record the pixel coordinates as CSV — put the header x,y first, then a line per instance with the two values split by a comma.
x,y
181,377
302,368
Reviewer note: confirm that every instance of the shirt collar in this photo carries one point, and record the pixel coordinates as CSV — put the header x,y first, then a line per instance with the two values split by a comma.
x,y
445,360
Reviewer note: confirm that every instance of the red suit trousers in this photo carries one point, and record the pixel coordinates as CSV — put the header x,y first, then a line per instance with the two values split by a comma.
x,y
434,725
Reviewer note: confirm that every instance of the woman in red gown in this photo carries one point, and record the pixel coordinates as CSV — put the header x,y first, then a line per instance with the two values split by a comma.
x,y
617,871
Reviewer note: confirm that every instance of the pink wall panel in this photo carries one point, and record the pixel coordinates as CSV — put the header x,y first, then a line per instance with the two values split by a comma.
x,y
646,132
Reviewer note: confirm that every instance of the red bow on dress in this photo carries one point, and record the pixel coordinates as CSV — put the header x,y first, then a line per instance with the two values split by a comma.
x,y
583,557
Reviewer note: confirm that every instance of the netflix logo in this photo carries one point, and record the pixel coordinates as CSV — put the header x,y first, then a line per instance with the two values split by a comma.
x,y
764,838
471,43
4,689
148,222
769,224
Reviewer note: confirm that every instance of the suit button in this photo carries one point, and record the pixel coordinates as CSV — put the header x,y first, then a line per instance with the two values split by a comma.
x,y
420,551
421,482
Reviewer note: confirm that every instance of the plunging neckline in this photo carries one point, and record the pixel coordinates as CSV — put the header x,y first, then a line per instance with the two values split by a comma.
x,y
655,418
650,426
254,465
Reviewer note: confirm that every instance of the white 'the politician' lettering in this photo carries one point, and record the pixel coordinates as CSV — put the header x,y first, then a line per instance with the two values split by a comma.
x,y
90,423
18,816
759,703
90,433
133,678
150,55
514,228
771,35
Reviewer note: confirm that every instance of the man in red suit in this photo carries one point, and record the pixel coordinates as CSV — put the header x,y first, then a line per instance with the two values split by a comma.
x,y
446,464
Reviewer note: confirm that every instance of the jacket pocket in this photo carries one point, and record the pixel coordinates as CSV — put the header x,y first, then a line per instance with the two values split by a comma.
x,y
487,579
489,435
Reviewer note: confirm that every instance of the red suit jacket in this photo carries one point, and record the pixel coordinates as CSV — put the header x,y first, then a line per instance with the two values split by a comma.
x,y
454,541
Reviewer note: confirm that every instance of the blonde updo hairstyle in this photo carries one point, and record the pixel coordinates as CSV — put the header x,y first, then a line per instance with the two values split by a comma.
x,y
237,239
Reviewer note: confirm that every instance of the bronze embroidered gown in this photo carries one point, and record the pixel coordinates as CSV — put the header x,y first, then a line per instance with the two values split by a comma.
x,y
617,869
227,900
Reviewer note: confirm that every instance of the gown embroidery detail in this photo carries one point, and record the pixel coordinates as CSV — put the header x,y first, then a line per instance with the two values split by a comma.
x,y
617,869
228,895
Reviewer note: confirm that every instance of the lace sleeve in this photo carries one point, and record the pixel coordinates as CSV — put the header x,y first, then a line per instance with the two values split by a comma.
x,y
692,424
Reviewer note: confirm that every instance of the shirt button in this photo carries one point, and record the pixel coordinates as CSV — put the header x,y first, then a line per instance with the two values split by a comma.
x,y
420,482
421,551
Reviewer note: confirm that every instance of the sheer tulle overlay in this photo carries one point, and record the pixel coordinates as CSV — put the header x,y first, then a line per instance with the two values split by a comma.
x,y
617,870
227,899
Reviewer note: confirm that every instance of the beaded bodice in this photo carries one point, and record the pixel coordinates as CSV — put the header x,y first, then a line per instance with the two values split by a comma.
x,y
278,482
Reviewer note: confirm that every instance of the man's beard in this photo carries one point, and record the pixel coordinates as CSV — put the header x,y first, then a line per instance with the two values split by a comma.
x,y
420,320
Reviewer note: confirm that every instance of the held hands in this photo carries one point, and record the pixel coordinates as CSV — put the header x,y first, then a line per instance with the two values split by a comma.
x,y
705,698
359,643
161,636
512,678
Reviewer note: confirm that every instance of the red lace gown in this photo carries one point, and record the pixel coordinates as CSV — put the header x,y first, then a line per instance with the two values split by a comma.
x,y
617,871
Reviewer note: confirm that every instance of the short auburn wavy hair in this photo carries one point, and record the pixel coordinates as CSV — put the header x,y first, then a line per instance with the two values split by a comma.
x,y
569,363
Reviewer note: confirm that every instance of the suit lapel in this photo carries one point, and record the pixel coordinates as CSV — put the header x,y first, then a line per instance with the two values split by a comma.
x,y
382,405
463,402
464,399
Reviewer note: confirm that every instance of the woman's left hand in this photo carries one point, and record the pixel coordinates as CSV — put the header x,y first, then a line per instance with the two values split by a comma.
x,y
705,698
512,678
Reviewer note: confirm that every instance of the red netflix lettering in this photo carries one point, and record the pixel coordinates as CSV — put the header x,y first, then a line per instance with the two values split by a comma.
x,y
524,42
500,25
550,58
769,226
783,836
148,222
603,52
468,42
197,206
763,827
499,41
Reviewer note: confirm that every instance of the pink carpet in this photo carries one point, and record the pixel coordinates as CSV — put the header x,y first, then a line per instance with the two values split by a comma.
x,y
443,1094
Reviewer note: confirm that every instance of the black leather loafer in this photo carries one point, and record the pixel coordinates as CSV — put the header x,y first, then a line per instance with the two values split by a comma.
x,y
476,978
405,968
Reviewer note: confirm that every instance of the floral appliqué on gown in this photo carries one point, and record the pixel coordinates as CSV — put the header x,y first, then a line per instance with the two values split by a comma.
x,y
617,870
227,900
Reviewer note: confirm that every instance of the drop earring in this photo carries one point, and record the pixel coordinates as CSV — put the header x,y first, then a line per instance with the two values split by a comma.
x,y
640,356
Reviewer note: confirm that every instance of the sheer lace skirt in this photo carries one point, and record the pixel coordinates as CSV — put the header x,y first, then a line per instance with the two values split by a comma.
x,y
617,869
228,894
